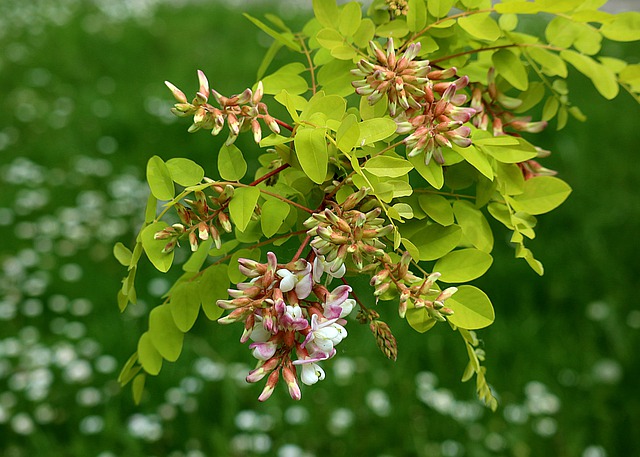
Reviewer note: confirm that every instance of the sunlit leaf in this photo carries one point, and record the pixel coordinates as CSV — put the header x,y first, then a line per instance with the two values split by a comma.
x,y
153,248
471,307
184,171
159,179
242,205
231,163
463,265
165,335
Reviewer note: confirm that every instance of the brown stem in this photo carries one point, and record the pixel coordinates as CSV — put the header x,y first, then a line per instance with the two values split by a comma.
x,y
270,174
283,124
311,67
301,248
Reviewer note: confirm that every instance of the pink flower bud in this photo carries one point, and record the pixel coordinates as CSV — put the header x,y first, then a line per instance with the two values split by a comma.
x,y
177,93
273,379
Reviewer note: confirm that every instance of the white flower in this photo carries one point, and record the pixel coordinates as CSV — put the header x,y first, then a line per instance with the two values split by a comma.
x,y
311,373
324,336
301,281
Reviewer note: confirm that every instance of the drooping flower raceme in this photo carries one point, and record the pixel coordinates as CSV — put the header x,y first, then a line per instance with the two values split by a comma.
x,y
286,327
241,112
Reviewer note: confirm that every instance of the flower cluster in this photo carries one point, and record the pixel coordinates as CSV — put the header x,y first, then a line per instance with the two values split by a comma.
x,y
201,220
431,108
281,321
495,108
345,232
241,112
398,7
400,79
439,121
413,290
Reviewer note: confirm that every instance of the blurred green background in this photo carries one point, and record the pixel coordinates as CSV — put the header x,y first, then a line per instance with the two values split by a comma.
x,y
83,107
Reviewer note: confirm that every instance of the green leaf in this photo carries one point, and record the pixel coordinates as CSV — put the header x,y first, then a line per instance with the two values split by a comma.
x,y
291,102
150,209
165,336
517,7
268,58
329,38
335,78
541,195
212,286
416,15
471,307
348,134
326,11
602,77
475,227
377,129
123,254
197,258
480,26
284,38
435,241
184,171
561,32
526,254
624,27
411,249
159,179
551,63
231,163
350,18
475,158
344,52
509,66
312,152
419,319
463,265
365,33
510,179
153,248
274,212
137,387
550,108
440,8
392,167
437,208
331,106
148,355
432,173
129,370
241,206
286,78
511,154
393,29
185,304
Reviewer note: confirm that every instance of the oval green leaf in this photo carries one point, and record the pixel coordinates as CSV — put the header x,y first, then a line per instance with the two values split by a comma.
x,y
165,336
385,166
242,204
231,163
159,179
184,171
471,307
463,265
148,355
185,304
541,195
312,151
153,248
